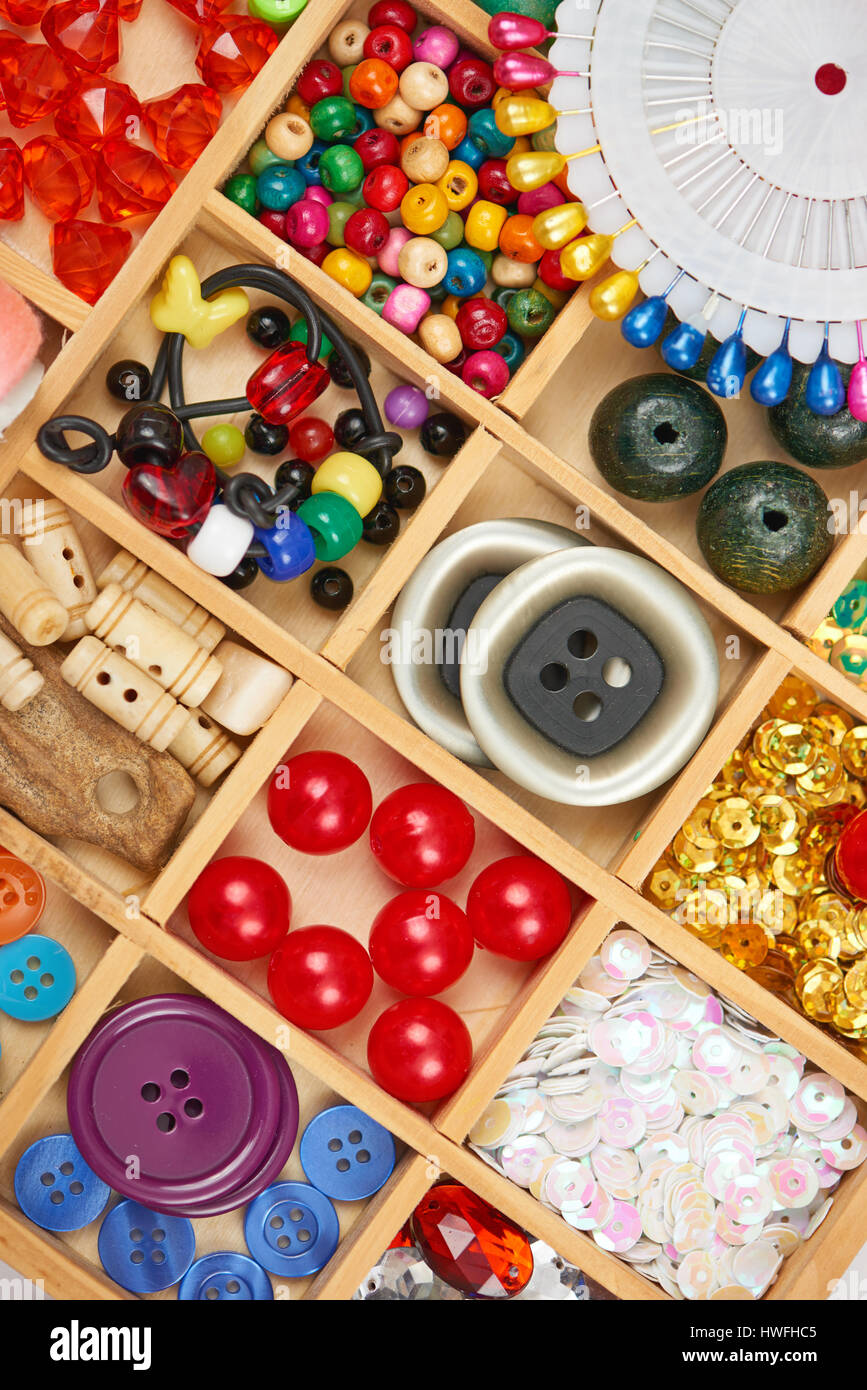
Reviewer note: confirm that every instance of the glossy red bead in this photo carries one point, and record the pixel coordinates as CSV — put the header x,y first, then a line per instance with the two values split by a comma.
x,y
182,123
100,110
519,907
320,977
130,181
59,176
286,384
847,863
233,50
469,1244
471,82
420,942
84,32
11,182
392,12
171,500
375,147
419,1050
422,834
320,78
494,185
311,439
86,256
550,272
390,43
275,221
201,11
366,231
34,81
319,802
239,908
27,13
384,187
481,322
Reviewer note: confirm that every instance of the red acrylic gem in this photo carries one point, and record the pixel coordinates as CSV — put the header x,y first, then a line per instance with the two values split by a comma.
x,y
24,12
233,50
59,176
34,80
846,866
171,500
201,11
181,123
470,1244
128,10
403,1239
130,181
84,32
101,110
286,384
86,256
11,182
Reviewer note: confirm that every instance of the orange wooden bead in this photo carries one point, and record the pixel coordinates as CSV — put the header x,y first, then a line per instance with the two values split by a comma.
x,y
297,107
517,240
373,83
447,123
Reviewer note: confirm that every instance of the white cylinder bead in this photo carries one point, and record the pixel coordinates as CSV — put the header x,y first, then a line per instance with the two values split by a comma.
x,y
125,694
221,542
204,749
248,691
19,680
53,547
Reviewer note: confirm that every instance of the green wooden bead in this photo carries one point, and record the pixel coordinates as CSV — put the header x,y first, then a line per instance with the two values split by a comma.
x,y
335,524
224,445
276,12
487,257
299,335
817,441
378,291
242,190
341,169
451,233
346,73
763,527
699,371
545,139
503,295
332,118
261,158
530,314
658,437
338,216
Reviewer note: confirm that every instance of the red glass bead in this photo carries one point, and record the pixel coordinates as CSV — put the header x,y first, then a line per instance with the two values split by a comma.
x,y
59,176
239,908
86,256
384,187
846,865
286,384
320,977
471,82
182,123
11,182
469,1244
233,50
393,12
494,185
390,43
319,802
375,147
481,323
84,32
100,110
419,1050
403,1239
130,181
201,11
311,439
128,10
24,12
34,80
319,79
420,942
422,834
519,907
171,500
366,231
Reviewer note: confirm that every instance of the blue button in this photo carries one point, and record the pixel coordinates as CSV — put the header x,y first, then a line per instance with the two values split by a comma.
x,y
292,1229
346,1154
37,978
226,1276
55,1187
144,1251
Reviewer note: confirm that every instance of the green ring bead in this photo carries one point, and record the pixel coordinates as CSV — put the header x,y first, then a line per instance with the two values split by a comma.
x,y
450,234
334,523
341,169
332,118
261,158
338,215
276,12
224,445
299,335
530,314
378,291
241,190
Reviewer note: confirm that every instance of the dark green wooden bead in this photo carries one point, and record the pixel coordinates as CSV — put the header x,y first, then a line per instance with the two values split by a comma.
x,y
332,118
818,441
341,169
530,313
339,214
658,437
699,371
242,190
763,527
378,291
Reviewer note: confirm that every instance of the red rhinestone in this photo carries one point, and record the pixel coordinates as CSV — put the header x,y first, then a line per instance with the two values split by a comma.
x,y
130,181
233,50
84,32
128,10
470,1244
24,12
201,11
34,80
86,256
11,182
59,176
181,123
101,110
403,1239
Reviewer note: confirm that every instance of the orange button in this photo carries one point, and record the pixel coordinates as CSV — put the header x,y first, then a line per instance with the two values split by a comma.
x,y
22,898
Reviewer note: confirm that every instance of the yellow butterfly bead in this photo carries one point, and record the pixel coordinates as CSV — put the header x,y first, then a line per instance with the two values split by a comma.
x,y
178,307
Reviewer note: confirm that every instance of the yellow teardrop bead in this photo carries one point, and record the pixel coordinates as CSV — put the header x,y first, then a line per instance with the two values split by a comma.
x,y
555,226
581,259
531,170
612,298
519,115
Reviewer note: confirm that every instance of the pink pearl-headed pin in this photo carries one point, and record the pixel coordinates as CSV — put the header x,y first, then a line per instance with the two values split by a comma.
x,y
518,71
510,30
857,393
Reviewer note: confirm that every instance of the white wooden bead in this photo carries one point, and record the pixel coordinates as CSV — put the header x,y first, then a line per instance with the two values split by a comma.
x,y
154,644
204,749
221,542
31,607
53,547
248,691
134,576
126,695
19,681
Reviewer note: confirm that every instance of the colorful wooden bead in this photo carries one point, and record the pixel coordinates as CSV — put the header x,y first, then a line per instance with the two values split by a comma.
x,y
373,84
249,690
288,136
346,41
486,372
389,257
340,169
391,44
424,86
424,160
385,187
530,313
447,123
349,270
440,337
459,185
405,307
436,45
397,116
484,224
422,262
424,208
466,274
352,477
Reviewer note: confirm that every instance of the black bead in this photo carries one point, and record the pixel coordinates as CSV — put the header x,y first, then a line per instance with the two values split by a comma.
x,y
243,574
269,327
263,438
339,372
350,427
380,526
300,475
128,380
443,434
405,487
331,588
149,433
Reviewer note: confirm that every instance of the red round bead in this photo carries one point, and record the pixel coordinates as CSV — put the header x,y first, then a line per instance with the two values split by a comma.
x,y
422,834
375,147
320,977
420,942
519,907
393,12
550,272
319,802
419,1050
316,254
492,1259
481,322
320,78
384,187
494,183
848,860
486,372
390,43
275,221
310,439
471,82
239,908
366,231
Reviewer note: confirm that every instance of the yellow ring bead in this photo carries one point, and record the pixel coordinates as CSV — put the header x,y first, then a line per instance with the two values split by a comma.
x,y
349,269
459,185
352,478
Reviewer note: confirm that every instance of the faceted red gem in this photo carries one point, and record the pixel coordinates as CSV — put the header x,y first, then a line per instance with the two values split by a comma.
x,y
171,500
181,123
11,182
24,12
470,1244
34,80
128,10
86,256
200,11
84,32
233,50
403,1239
59,176
130,181
101,110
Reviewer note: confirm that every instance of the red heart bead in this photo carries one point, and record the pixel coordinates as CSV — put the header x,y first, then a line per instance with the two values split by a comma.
x,y
84,32
171,500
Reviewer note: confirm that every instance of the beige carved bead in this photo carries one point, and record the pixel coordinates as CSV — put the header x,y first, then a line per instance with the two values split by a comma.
x,y
53,547
154,644
31,607
248,691
424,160
135,577
513,275
346,42
422,262
129,697
19,682
288,136
397,116
440,337
204,749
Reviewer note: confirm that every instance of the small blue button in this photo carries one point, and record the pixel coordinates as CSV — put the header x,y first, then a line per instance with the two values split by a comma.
x,y
291,1229
346,1154
55,1187
144,1251
37,978
226,1276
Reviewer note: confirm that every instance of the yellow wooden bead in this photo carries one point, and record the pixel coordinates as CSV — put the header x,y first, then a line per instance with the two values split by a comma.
x,y
349,270
296,107
450,306
423,209
351,477
484,224
556,297
610,299
288,136
459,185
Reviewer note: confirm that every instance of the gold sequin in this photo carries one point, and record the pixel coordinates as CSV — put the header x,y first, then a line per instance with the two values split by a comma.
x,y
735,823
762,774
732,772
793,699
818,939
826,636
853,751
849,655
777,912
850,1019
819,986
831,722
696,827
793,873
664,886
693,859
824,775
855,985
744,944
763,733
793,749
782,822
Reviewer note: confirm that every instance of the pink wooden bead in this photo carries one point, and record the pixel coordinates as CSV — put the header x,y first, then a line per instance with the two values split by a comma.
x,y
436,45
387,259
486,372
406,307
540,199
319,194
307,223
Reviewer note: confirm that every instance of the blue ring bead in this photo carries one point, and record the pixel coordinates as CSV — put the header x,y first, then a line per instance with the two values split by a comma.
x,y
346,1154
482,130
363,121
290,547
466,273
55,1188
279,186
470,153
291,1229
37,978
308,165
225,1277
512,349
144,1251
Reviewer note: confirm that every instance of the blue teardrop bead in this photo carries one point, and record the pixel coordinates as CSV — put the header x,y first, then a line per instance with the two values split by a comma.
x,y
772,381
683,347
728,369
825,393
643,324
